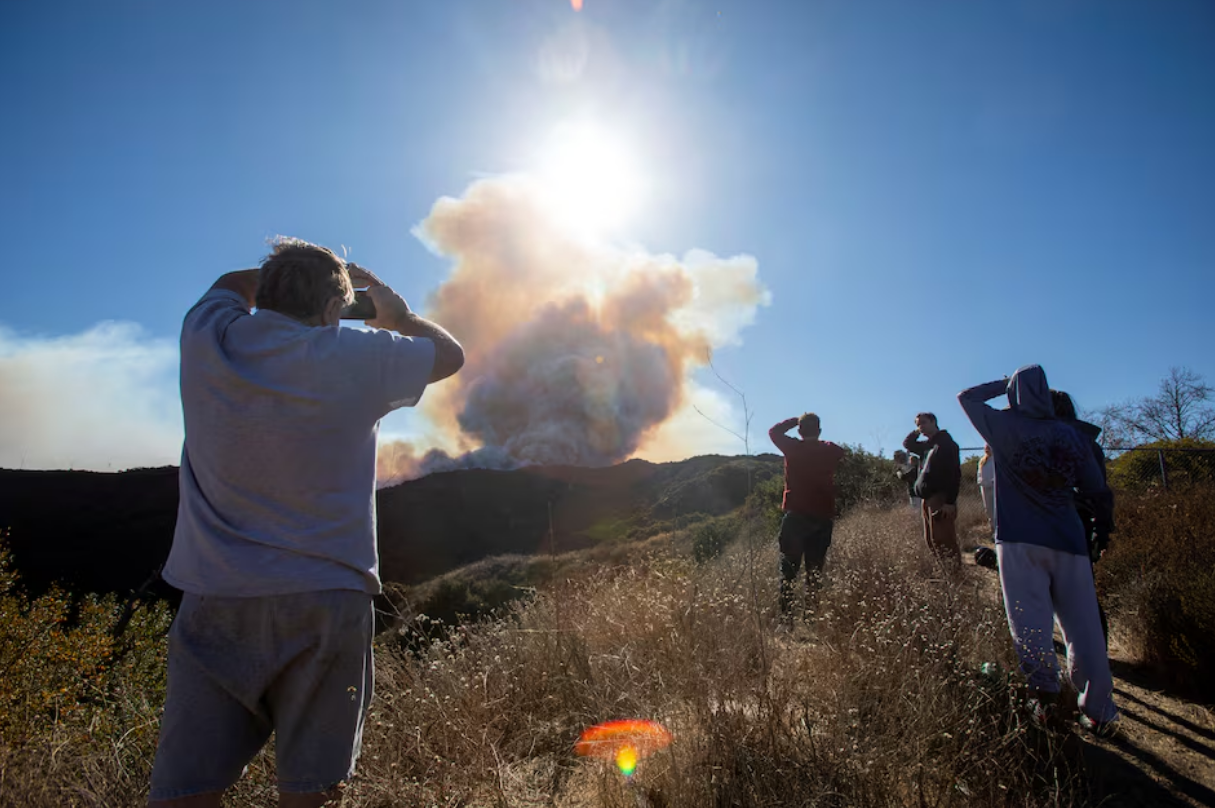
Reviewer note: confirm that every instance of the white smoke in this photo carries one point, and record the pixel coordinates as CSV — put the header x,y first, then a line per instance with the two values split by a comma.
x,y
102,399
578,353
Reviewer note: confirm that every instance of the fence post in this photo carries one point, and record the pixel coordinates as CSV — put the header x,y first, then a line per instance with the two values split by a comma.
x,y
1164,469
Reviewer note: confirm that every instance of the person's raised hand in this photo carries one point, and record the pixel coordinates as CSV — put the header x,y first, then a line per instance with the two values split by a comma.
x,y
391,310
361,277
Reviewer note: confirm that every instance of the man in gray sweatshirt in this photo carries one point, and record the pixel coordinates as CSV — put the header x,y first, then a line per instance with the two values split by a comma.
x,y
275,546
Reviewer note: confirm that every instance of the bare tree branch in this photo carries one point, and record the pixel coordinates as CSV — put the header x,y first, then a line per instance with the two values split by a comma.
x,y
719,425
745,437
747,413
1178,411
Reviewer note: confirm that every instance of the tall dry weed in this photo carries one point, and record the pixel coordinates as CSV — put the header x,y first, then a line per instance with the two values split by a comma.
x,y
873,700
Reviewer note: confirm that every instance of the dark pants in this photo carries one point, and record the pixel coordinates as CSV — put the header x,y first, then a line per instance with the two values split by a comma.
x,y
1090,539
802,538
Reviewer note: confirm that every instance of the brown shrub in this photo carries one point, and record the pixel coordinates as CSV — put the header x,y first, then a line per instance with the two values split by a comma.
x,y
1158,582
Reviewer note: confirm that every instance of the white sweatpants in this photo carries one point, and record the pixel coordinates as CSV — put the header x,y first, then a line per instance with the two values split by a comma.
x,y
1041,585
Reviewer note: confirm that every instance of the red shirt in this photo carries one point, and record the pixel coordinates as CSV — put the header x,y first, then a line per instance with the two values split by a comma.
x,y
809,474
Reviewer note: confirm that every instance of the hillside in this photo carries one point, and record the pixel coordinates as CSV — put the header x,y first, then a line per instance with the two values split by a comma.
x,y
107,532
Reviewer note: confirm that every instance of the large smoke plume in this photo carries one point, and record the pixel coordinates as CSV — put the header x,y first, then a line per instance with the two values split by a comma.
x,y
102,399
577,353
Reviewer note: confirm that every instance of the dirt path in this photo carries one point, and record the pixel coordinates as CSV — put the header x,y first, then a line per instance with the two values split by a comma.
x,y
1164,754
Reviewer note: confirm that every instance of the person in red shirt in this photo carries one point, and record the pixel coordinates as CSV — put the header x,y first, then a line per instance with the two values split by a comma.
x,y
809,502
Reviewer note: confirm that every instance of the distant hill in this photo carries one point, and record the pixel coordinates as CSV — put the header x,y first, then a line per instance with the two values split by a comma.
x,y
106,532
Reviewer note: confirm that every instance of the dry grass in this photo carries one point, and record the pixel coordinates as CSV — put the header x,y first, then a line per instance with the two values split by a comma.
x,y
874,700
1158,581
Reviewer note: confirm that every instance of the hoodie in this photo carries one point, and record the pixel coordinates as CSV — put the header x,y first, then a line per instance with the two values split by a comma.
x,y
1095,509
940,467
1041,462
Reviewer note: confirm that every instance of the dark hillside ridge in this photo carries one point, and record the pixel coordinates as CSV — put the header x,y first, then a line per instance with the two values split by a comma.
x,y
107,532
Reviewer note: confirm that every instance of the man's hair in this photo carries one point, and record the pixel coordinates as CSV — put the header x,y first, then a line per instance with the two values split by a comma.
x,y
298,279
926,416
899,454
809,424
1063,404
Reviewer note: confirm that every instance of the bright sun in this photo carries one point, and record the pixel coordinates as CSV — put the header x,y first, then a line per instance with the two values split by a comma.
x,y
590,177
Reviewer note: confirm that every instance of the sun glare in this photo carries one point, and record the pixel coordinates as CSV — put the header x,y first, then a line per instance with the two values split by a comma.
x,y
590,178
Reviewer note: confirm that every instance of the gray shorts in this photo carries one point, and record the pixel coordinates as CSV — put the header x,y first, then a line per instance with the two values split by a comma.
x,y
239,668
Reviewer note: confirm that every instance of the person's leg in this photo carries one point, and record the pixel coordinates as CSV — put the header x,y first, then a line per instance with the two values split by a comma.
x,y
792,547
212,800
324,798
1080,619
1025,579
817,543
208,732
945,534
940,532
926,516
322,693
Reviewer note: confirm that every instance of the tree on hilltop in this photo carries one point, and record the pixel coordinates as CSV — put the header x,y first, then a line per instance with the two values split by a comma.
x,y
1180,410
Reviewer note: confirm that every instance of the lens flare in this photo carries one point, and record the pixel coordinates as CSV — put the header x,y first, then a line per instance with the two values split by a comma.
x,y
626,760
625,742
577,4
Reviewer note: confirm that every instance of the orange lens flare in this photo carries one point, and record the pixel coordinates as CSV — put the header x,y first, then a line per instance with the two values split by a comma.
x,y
624,742
577,4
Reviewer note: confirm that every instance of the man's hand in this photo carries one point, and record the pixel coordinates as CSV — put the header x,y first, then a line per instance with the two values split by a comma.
x,y
945,511
391,310
362,278
1100,544
393,313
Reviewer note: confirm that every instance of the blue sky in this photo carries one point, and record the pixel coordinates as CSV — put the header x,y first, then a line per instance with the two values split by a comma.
x,y
935,193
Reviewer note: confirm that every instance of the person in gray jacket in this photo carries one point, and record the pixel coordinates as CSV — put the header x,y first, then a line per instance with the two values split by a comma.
x,y
275,545
1045,572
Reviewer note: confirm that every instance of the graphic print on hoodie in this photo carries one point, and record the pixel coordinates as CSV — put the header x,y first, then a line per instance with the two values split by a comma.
x,y
1040,461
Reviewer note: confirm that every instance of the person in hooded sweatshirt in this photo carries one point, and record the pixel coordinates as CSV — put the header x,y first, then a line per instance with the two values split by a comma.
x,y
1045,573
1096,511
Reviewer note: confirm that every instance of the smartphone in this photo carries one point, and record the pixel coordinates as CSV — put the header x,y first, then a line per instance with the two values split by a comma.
x,y
363,308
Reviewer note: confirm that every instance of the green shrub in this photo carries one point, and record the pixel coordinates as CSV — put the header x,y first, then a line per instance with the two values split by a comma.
x,y
1187,462
711,537
78,701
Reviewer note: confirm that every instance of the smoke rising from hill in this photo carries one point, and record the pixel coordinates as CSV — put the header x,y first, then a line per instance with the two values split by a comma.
x,y
102,399
578,353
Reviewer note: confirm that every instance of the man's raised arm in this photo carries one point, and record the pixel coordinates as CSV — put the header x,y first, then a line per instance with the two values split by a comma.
x,y
243,282
778,436
394,313
974,404
913,444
